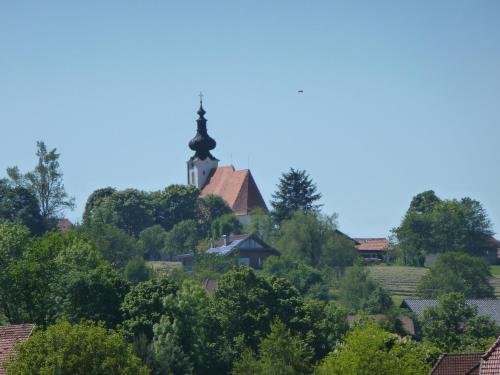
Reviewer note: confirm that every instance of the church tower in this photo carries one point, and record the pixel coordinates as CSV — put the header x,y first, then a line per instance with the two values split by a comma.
x,y
202,162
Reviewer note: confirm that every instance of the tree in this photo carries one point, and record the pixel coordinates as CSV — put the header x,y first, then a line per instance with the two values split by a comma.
x,y
314,238
226,225
143,306
113,244
262,225
454,326
76,349
137,270
358,291
181,340
279,353
94,201
19,205
174,204
295,191
307,279
46,183
243,307
457,272
432,226
182,238
369,350
152,241
208,209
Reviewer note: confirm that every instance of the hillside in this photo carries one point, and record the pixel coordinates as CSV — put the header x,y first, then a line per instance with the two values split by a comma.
x,y
402,281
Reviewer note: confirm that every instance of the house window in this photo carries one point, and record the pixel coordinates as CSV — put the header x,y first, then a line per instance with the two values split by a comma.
x,y
244,262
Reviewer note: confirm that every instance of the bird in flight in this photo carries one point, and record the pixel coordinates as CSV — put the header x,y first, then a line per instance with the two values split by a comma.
x,y
301,91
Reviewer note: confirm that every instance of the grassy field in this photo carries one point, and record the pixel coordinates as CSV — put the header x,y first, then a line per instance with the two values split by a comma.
x,y
402,281
164,266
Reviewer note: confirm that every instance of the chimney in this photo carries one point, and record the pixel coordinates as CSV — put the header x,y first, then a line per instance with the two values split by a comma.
x,y
225,240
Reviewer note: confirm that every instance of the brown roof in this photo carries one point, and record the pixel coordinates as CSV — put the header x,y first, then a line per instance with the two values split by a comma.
x,y
490,363
456,364
372,244
10,335
64,224
237,188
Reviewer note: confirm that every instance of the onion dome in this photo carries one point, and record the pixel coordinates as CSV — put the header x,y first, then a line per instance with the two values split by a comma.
x,y
202,143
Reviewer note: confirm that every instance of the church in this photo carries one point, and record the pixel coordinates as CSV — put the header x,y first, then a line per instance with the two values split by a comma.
x,y
236,187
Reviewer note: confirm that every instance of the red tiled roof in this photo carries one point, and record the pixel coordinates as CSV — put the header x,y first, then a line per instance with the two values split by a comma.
x,y
10,335
371,244
490,363
237,188
456,364
64,224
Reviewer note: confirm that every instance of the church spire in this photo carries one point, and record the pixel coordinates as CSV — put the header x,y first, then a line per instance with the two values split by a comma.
x,y
202,143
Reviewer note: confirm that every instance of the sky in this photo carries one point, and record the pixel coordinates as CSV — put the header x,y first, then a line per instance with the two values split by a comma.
x,y
398,97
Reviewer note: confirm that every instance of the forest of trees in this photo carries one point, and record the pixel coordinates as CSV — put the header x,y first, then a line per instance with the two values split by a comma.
x,y
100,308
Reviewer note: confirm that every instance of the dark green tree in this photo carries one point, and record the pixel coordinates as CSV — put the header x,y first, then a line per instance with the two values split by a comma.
x,y
457,272
181,343
279,352
358,291
137,270
432,226
454,326
313,238
77,349
226,225
210,208
143,306
174,204
295,191
94,201
182,238
152,242
19,205
45,182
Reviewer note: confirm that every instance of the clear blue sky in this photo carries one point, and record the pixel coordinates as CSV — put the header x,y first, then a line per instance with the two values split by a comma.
x,y
399,96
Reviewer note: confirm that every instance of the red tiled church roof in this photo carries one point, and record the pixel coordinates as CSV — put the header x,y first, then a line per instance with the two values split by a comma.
x,y
10,335
456,364
371,244
237,188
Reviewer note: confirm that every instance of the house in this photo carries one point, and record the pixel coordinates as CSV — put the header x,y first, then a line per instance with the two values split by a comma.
x,y
406,322
485,307
250,249
237,188
64,224
457,364
10,336
374,249
470,363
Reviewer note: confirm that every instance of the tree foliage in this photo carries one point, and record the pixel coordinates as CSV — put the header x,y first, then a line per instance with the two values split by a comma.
x,y
77,349
369,350
19,205
182,238
279,353
454,326
432,225
295,191
45,182
457,272
225,225
358,291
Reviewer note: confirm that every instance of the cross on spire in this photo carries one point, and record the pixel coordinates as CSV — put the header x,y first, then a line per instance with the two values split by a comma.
x,y
201,97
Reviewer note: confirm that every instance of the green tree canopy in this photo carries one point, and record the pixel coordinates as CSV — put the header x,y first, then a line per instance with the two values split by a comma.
x,y
279,353
295,191
454,326
152,241
77,349
226,225
45,182
432,225
358,291
182,238
369,350
314,238
94,201
457,272
19,205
